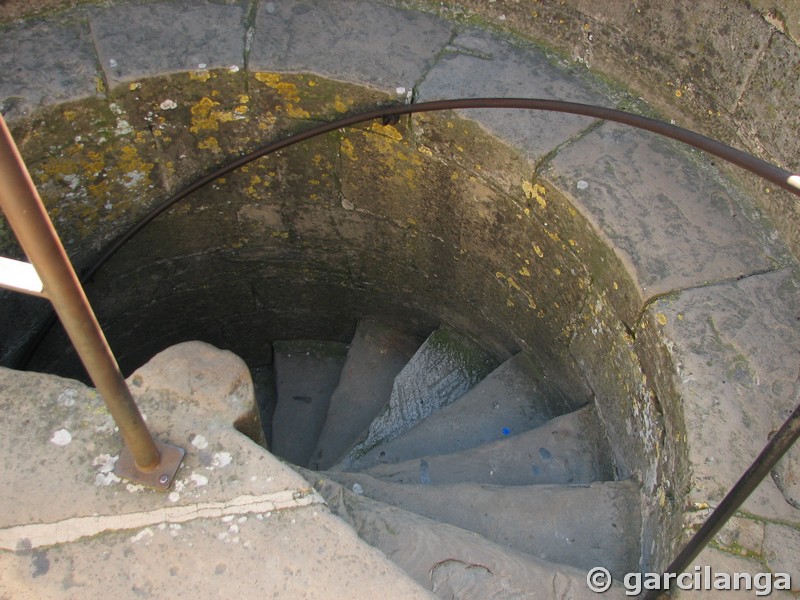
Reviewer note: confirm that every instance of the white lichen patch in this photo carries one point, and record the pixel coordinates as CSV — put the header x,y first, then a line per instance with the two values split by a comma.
x,y
106,479
106,462
221,459
123,127
168,104
199,480
174,497
62,437
68,397
200,442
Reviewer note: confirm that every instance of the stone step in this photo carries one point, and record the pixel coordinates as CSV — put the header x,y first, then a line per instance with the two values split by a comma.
x,y
446,366
568,449
306,373
514,398
585,526
450,561
376,355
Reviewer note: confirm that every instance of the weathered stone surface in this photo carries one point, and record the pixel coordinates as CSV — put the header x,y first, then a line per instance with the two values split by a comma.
x,y
724,563
376,355
453,562
477,64
141,40
230,506
787,476
192,396
307,372
677,227
781,549
735,348
43,63
446,366
320,557
569,449
515,397
360,42
762,107
583,526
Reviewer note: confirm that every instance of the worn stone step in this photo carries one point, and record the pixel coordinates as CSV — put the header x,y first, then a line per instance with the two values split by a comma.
x,y
376,355
514,398
306,373
446,366
568,449
450,561
585,526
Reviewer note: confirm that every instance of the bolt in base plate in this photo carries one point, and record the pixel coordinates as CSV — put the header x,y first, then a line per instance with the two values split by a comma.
x,y
159,478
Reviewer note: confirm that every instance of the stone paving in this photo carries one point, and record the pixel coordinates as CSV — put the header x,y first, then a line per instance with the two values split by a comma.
x,y
236,523
708,274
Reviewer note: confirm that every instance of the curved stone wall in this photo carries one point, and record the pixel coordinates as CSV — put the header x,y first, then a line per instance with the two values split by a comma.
x,y
642,278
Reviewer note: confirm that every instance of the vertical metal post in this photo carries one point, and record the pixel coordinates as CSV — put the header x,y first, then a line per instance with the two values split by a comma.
x,y
20,201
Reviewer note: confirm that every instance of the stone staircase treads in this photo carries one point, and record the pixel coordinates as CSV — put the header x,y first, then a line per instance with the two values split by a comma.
x,y
376,355
452,562
307,372
515,397
585,526
568,449
446,366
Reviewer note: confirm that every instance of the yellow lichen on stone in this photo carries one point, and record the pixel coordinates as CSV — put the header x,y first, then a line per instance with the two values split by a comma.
x,y
295,112
538,251
338,105
524,272
131,162
348,149
535,191
387,130
202,76
661,318
205,118
210,143
425,150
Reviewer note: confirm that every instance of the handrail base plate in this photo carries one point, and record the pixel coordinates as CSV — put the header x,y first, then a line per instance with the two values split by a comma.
x,y
161,477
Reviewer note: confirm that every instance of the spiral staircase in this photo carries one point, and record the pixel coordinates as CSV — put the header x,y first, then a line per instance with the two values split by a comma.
x,y
434,452
504,346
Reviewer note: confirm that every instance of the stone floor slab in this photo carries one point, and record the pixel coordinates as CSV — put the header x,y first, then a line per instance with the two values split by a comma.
x,y
735,347
45,62
584,526
359,42
669,215
237,522
140,40
454,562
307,372
478,64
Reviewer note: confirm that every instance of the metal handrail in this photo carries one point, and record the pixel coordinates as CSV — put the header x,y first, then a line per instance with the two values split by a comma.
x,y
776,447
146,461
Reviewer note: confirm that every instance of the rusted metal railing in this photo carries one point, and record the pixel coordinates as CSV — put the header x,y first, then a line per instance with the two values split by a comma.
x,y
50,275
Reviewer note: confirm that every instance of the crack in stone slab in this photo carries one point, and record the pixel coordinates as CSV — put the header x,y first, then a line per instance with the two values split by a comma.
x,y
37,535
